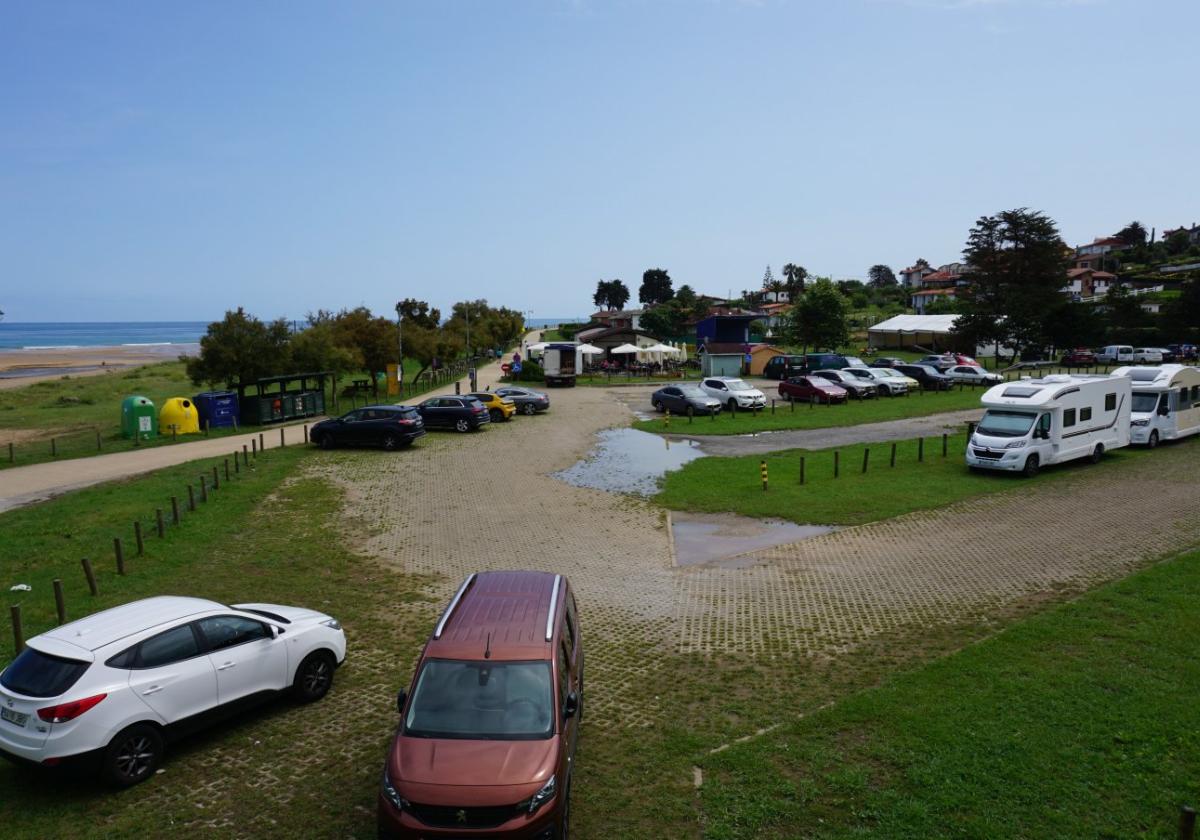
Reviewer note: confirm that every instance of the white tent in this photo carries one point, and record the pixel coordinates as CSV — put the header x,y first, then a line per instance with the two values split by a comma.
x,y
541,345
661,348
625,348
588,349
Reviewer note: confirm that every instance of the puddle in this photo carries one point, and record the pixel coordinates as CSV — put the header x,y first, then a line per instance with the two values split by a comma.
x,y
719,538
629,461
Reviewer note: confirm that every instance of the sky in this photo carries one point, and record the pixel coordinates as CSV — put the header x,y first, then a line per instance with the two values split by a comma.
x,y
169,161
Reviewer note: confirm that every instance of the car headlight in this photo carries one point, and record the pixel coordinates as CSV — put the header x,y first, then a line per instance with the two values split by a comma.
x,y
391,794
543,796
1015,444
1145,422
332,622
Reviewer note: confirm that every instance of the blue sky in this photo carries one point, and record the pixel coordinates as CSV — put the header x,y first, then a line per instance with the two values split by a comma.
x,y
172,160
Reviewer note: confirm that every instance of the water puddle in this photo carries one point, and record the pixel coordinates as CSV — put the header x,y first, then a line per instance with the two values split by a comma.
x,y
720,538
629,461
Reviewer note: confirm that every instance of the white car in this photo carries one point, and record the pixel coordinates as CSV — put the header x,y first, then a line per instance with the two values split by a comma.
x,y
733,392
886,381
118,684
973,375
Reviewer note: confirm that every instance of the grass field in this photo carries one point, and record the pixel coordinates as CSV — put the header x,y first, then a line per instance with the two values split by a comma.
x,y
1080,722
716,484
807,416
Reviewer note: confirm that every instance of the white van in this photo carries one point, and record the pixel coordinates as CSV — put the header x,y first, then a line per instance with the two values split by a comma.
x,y
1035,422
1115,354
1166,402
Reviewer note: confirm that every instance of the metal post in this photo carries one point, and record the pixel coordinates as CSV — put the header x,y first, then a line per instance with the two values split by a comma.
x,y
120,555
60,603
90,575
399,352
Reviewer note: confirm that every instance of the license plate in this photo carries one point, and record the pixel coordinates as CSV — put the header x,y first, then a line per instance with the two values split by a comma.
x,y
19,718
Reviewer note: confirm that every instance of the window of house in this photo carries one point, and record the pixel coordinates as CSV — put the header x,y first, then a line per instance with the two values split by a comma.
x,y
1068,418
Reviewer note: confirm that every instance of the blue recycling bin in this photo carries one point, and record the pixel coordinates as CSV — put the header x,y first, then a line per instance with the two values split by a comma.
x,y
218,409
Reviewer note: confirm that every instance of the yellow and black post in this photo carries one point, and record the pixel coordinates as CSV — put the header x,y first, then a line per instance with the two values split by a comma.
x,y
667,419
762,468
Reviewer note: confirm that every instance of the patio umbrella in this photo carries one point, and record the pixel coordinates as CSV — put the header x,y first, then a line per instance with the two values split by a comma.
x,y
588,349
541,345
660,348
625,348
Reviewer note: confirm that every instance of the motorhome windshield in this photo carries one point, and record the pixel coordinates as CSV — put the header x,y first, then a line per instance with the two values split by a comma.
x,y
1006,423
1144,401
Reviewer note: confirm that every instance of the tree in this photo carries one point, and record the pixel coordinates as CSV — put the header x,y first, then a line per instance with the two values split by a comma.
x,y
943,305
666,320
240,349
1133,234
372,337
1124,314
818,319
1177,242
881,276
1076,325
418,313
850,287
656,287
768,280
1015,281
1182,315
794,277
610,294
316,349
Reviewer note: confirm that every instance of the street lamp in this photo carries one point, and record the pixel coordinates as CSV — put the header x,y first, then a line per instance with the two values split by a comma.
x,y
399,348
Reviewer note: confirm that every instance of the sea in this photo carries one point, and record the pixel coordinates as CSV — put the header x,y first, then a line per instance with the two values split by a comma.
x,y
67,335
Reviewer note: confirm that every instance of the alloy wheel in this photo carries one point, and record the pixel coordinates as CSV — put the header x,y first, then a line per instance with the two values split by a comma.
x,y
135,757
389,442
462,425
317,676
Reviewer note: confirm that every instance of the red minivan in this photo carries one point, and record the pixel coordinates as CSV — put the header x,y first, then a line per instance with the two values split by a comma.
x,y
489,726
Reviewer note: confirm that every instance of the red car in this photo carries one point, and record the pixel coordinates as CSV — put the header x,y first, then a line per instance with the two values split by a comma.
x,y
486,744
811,389
1079,356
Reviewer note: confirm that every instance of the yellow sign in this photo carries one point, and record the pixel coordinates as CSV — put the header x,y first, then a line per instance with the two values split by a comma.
x,y
392,381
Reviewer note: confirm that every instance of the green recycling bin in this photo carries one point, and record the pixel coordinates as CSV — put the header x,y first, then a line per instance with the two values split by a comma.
x,y
138,418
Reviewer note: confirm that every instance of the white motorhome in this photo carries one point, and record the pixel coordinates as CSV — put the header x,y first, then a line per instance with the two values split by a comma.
x,y
1032,423
1166,402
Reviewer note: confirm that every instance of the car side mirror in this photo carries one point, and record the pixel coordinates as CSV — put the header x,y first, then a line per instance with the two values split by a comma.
x,y
1164,410
401,696
276,632
571,704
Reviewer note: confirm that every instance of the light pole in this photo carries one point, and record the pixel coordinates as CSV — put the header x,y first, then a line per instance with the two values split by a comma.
x,y
399,350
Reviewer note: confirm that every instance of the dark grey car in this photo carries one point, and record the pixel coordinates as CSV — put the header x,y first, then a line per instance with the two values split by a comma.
x,y
528,400
679,398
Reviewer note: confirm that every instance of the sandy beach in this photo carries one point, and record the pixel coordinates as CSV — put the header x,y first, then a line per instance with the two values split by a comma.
x,y
21,367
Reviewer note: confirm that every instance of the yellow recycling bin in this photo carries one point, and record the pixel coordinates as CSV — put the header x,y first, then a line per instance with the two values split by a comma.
x,y
179,414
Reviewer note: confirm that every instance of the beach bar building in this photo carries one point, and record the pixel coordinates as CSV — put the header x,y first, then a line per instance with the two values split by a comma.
x,y
276,399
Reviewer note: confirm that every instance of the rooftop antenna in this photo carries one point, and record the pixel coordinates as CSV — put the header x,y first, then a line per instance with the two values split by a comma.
x,y
487,650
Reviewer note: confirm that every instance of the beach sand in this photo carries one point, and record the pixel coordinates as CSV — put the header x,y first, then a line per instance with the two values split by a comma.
x,y
22,367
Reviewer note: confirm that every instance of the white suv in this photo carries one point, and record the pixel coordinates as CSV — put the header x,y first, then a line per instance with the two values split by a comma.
x,y
119,683
732,391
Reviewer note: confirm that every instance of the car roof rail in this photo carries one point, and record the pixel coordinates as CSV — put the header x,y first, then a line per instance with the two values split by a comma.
x,y
553,608
441,625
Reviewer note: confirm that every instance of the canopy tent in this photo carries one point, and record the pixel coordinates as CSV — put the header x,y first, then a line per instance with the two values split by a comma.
x,y
541,345
625,348
589,350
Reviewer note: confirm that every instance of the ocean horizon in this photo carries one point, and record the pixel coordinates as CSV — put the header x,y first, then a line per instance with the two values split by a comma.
x,y
71,335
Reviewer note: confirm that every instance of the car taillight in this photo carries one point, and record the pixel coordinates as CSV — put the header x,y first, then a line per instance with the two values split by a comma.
x,y
64,712
405,422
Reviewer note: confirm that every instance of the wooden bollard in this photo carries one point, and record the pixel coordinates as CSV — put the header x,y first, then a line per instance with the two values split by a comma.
x,y
227,469
60,602
159,525
54,447
137,536
18,635
262,444
893,460
216,478
762,468
11,456
282,439
254,447
117,550
246,454
866,458
801,469
174,433
90,575
1187,823
175,510
191,499
836,463
667,419
203,489
691,413
772,406
98,444
945,444
920,449
237,467
306,433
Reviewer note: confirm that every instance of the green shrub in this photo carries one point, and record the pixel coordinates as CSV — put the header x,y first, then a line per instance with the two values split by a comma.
x,y
531,371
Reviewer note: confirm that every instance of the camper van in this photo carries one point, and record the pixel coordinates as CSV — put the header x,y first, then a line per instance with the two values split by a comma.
x,y
1032,423
560,364
1166,402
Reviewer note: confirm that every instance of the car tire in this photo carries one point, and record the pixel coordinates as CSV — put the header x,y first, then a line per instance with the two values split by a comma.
x,y
132,756
391,443
1153,441
462,425
314,677
528,409
1097,454
496,414
1032,464
325,441
659,407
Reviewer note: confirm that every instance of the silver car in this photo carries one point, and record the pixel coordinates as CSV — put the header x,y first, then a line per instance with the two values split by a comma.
x,y
680,398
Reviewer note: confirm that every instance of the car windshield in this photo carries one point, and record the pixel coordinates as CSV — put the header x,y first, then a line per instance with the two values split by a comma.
x,y
37,674
1144,401
737,385
481,700
693,392
887,372
1006,423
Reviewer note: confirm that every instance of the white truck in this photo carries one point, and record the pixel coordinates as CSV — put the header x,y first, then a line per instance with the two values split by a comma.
x,y
1032,423
1166,402
560,363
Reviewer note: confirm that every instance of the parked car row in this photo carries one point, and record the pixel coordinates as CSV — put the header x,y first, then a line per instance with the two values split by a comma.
x,y
489,724
398,426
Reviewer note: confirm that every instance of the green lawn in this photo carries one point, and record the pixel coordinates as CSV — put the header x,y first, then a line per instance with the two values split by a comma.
x,y
808,416
716,484
1079,722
